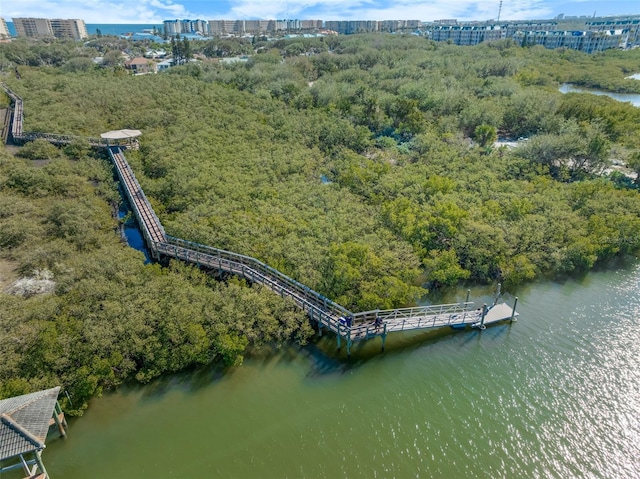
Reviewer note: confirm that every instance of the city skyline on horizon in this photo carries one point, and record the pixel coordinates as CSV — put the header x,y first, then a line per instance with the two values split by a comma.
x,y
156,11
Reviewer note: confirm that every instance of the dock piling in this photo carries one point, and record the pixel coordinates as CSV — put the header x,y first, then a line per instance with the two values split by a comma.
x,y
498,292
484,314
384,336
513,311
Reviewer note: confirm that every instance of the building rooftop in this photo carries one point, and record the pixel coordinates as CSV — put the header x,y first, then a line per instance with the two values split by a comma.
x,y
24,422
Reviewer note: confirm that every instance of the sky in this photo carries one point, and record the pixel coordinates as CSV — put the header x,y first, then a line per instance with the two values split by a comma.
x,y
155,11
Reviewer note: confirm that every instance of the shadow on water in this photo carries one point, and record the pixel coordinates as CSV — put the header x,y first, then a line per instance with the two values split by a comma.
x,y
327,360
202,376
188,380
199,377
319,355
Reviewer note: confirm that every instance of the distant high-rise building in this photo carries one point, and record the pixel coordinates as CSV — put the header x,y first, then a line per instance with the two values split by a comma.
x,y
585,41
259,26
175,27
75,29
398,25
311,24
288,25
4,30
47,28
466,34
33,27
347,27
227,27
171,27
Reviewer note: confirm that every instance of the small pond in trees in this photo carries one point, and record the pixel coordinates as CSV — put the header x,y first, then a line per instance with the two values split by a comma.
x,y
132,232
633,98
325,180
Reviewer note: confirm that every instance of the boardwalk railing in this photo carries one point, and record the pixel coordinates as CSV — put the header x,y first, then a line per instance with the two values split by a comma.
x,y
152,230
321,309
59,139
255,270
416,312
19,136
16,126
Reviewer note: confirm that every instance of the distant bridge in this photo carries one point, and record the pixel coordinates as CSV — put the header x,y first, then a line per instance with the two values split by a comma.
x,y
346,325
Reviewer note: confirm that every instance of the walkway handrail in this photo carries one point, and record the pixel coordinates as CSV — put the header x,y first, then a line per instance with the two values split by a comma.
x,y
16,126
317,312
139,193
18,134
258,266
418,311
61,139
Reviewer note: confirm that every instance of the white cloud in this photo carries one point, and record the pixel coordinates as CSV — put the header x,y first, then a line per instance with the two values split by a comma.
x,y
267,9
155,11
400,9
100,11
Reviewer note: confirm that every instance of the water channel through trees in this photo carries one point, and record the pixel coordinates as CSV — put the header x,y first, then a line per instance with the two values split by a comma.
x,y
633,98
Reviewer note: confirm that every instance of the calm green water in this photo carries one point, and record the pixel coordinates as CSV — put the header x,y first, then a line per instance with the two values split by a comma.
x,y
555,395
632,98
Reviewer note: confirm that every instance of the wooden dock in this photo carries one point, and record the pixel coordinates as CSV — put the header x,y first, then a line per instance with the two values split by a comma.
x,y
347,326
496,314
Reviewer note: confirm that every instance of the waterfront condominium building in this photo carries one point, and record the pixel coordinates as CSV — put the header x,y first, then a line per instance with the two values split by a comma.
x,y
466,34
311,25
585,41
33,27
4,30
47,28
632,25
241,27
226,27
75,29
347,27
258,26
175,27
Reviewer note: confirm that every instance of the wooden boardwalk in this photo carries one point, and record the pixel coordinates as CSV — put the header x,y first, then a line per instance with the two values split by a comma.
x,y
347,326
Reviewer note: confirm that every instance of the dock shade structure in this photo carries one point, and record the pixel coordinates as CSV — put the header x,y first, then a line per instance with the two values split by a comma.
x,y
121,137
24,425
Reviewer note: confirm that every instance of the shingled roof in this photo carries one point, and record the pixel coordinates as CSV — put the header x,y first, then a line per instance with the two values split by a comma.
x,y
24,422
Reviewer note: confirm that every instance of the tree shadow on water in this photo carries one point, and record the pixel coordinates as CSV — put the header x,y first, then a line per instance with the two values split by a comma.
x,y
189,380
320,355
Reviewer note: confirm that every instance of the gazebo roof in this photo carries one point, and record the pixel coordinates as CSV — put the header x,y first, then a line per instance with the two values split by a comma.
x,y
24,422
120,134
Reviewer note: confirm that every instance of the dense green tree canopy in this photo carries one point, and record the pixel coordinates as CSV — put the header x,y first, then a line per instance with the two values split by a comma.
x,y
362,166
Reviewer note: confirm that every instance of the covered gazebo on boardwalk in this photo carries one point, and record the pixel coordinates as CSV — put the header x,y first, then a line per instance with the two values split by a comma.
x,y
24,425
126,138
